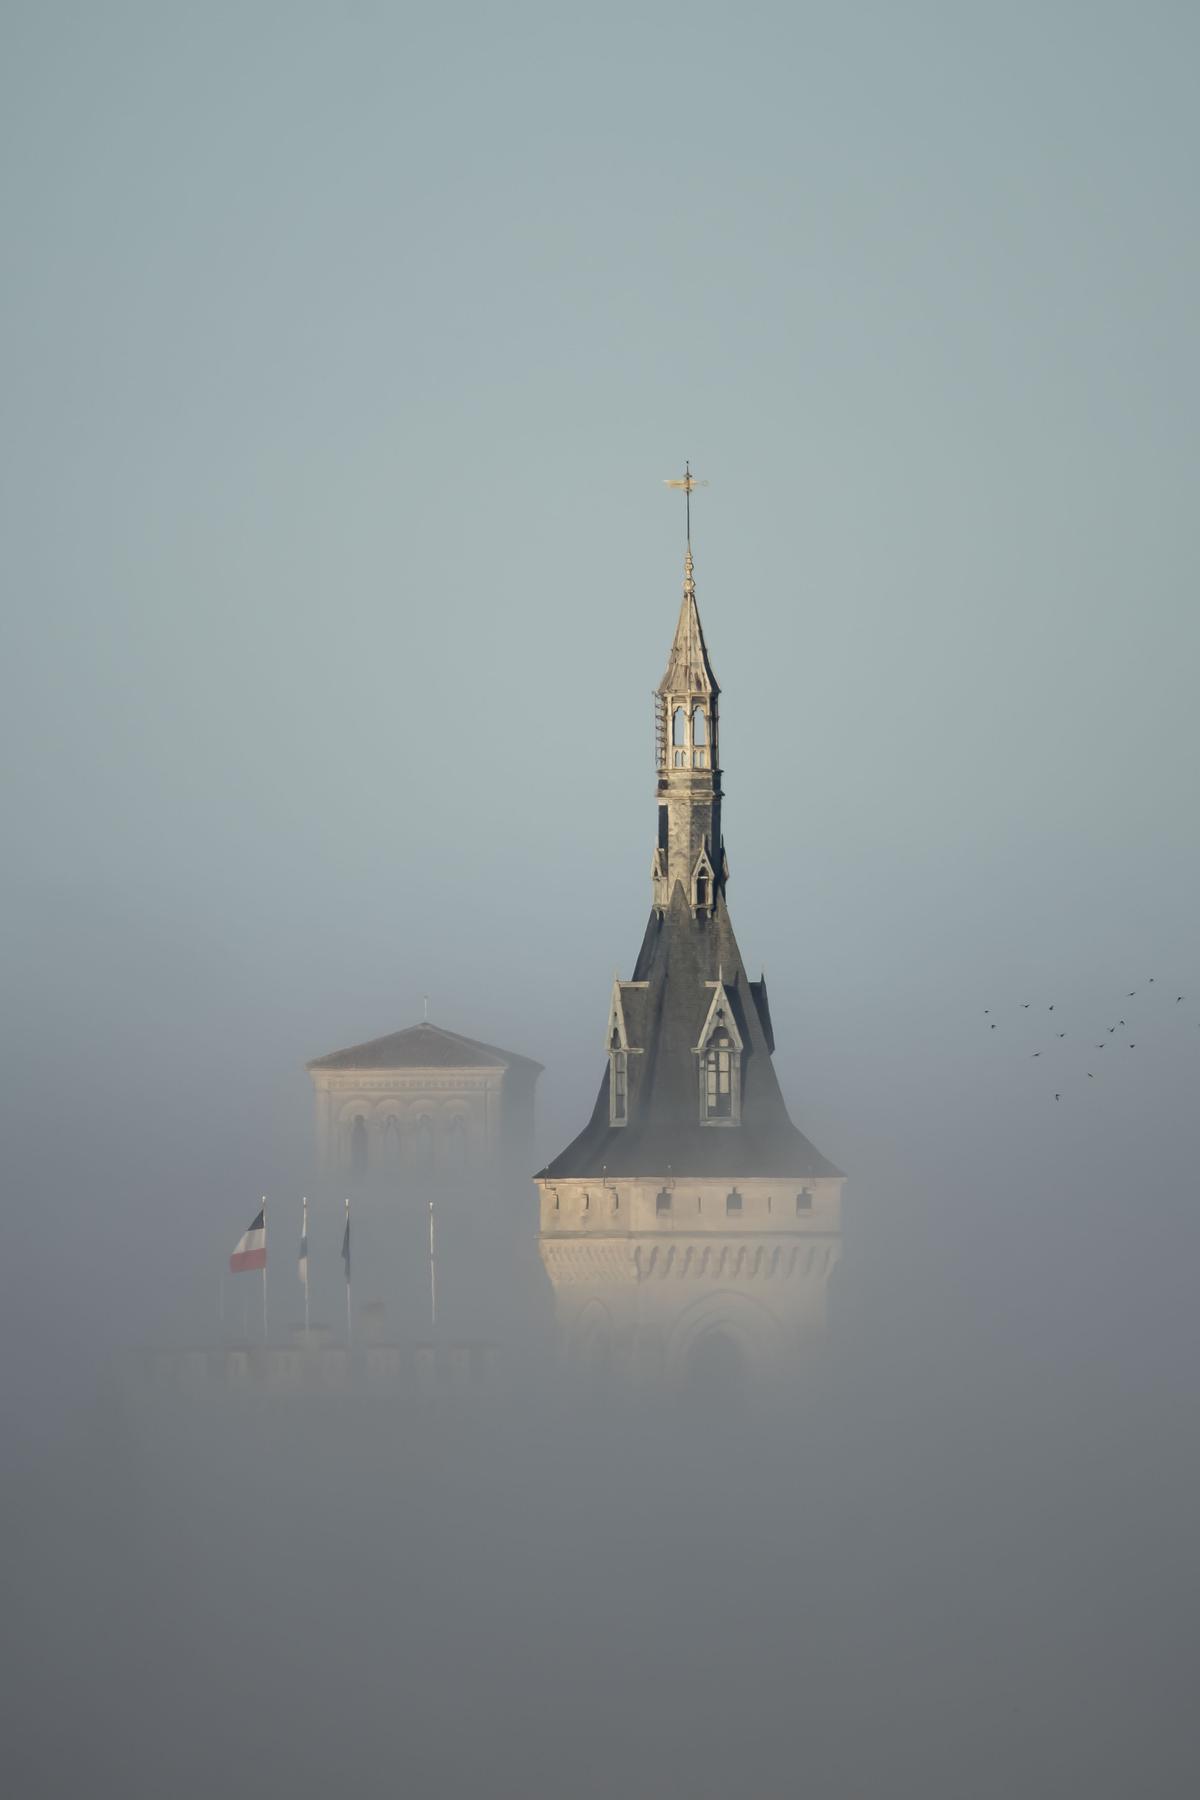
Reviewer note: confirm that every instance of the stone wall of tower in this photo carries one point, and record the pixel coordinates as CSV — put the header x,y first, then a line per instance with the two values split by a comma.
x,y
691,800
644,1272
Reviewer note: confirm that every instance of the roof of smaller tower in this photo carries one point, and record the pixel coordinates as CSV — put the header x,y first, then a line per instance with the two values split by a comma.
x,y
423,1046
688,668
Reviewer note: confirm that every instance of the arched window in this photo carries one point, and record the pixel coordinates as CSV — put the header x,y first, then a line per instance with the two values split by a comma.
x,y
391,1141
456,1144
804,1201
702,890
358,1145
679,737
699,739
422,1145
733,1201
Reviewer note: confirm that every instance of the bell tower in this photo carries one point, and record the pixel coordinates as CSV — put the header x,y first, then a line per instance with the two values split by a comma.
x,y
689,1217
689,851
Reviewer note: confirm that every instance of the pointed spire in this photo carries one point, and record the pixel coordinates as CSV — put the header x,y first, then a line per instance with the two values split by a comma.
x,y
688,668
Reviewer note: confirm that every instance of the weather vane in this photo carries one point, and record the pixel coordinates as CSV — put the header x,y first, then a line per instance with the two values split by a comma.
x,y
687,483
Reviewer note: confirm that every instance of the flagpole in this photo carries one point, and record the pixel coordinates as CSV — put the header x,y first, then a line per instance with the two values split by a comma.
x,y
432,1274
264,1268
304,1240
349,1332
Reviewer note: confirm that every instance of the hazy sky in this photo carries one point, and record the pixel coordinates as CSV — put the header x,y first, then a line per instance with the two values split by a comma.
x,y
346,349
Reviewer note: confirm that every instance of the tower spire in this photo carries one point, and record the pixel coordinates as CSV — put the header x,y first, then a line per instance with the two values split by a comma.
x,y
689,851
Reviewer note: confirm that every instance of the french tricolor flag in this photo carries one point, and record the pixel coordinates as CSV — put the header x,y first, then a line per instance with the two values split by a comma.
x,y
251,1251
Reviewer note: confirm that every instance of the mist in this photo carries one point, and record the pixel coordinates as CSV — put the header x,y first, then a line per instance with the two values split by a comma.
x,y
348,349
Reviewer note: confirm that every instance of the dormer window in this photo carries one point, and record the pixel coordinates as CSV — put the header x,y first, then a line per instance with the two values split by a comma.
x,y
718,1077
619,1052
618,1092
703,883
720,1057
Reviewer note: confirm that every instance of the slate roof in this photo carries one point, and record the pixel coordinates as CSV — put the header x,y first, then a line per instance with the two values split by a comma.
x,y
423,1046
681,953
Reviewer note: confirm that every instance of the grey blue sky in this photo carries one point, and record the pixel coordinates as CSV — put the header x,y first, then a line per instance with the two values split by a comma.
x,y
346,349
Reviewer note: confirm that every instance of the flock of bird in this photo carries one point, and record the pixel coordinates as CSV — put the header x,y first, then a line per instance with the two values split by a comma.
x,y
1108,1036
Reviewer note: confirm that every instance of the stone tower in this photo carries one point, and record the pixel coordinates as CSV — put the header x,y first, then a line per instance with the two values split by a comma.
x,y
690,1226
426,1120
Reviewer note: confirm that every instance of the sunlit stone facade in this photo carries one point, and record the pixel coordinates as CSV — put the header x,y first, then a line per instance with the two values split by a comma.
x,y
426,1103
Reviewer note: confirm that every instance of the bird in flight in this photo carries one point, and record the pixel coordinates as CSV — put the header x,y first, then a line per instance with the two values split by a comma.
x,y
1091,1077
1062,1034
1036,1053
1178,998
991,1028
1131,993
1051,1009
1024,1006
1058,1096
1133,1046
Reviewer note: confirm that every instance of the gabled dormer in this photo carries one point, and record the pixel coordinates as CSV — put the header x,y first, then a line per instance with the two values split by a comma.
x,y
703,893
658,880
620,1048
719,1060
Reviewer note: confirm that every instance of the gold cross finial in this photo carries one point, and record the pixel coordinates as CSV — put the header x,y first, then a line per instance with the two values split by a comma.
x,y
687,483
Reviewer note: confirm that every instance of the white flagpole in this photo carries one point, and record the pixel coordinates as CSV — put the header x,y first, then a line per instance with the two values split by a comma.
x,y
304,1239
264,1271
349,1342
432,1274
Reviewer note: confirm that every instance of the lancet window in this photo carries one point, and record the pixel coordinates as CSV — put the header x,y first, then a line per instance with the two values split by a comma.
x,y
422,1145
718,1077
703,881
720,1057
620,1091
